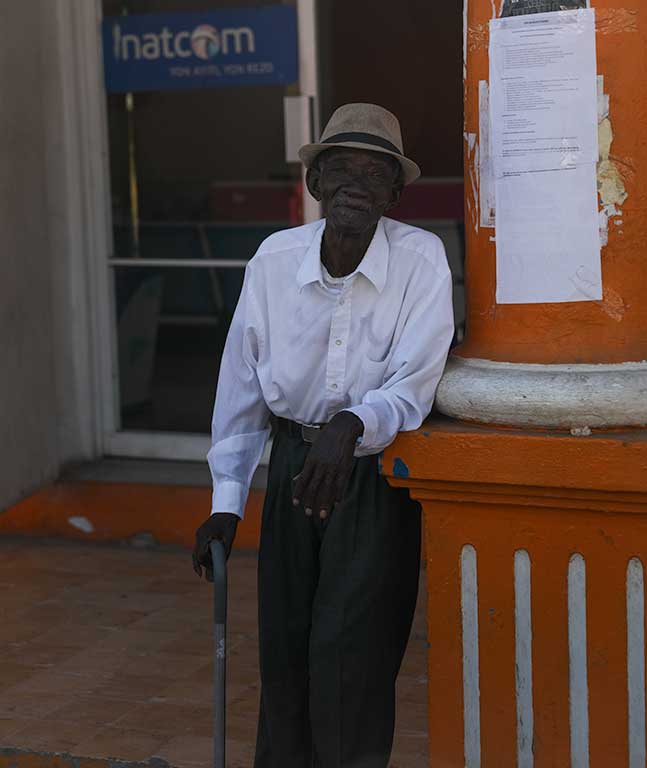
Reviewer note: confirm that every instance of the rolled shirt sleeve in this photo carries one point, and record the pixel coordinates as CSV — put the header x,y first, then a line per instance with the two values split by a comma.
x,y
239,426
415,368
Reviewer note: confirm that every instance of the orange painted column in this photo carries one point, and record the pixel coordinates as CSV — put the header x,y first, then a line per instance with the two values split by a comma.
x,y
534,491
613,330
575,364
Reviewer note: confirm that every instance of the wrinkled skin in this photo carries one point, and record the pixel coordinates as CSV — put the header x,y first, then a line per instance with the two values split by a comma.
x,y
355,187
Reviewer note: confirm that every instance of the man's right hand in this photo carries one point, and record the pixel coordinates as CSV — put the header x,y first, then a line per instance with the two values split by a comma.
x,y
220,526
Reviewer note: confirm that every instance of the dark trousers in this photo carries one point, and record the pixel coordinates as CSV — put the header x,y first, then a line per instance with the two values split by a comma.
x,y
336,602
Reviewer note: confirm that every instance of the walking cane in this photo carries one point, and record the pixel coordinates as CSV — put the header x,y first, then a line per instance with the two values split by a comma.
x,y
219,561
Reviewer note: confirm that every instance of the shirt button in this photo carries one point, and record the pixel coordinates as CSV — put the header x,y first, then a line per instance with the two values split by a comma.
x,y
338,342
333,386
341,301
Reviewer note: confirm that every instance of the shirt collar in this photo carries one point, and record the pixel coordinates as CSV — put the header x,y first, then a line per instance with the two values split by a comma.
x,y
373,266
310,269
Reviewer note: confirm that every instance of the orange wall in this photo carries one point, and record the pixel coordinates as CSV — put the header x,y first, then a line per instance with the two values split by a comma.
x,y
121,511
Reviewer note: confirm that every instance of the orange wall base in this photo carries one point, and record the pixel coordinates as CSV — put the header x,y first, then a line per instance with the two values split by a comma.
x,y
119,512
488,495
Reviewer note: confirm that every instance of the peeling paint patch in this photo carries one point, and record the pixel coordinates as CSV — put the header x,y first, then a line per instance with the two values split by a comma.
x,y
478,37
603,100
606,215
615,21
610,183
611,186
81,523
613,304
400,469
605,137
472,153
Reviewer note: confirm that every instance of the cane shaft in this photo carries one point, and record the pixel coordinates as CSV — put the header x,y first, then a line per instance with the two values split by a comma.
x,y
220,650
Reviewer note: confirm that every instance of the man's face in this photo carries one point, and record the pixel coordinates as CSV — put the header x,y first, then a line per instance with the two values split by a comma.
x,y
355,187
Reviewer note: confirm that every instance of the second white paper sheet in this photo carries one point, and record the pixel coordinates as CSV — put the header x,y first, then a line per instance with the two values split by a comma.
x,y
543,92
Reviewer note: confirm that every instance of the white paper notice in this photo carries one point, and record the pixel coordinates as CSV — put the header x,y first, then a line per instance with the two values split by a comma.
x,y
544,144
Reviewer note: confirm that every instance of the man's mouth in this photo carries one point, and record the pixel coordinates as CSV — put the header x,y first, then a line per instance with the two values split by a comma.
x,y
352,203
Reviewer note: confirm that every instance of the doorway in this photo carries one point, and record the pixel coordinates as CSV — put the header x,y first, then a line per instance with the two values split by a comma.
x,y
200,176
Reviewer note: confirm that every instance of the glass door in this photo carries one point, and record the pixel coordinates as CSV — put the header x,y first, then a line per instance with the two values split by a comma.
x,y
199,177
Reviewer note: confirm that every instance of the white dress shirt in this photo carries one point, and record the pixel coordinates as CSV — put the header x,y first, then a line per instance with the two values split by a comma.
x,y
304,346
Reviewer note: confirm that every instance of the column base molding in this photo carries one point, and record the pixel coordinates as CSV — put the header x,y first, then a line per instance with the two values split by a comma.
x,y
552,396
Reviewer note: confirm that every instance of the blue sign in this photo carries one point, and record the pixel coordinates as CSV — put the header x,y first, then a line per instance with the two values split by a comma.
x,y
168,51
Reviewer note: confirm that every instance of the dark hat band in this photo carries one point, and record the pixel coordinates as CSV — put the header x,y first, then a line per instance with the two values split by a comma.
x,y
363,138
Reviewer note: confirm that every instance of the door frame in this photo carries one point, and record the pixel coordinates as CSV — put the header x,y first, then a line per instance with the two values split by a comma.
x,y
84,56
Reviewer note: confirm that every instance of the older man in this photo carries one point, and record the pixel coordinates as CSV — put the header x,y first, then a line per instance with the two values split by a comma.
x,y
340,336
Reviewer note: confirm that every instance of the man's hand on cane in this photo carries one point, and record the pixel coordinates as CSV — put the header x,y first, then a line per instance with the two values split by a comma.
x,y
220,526
326,471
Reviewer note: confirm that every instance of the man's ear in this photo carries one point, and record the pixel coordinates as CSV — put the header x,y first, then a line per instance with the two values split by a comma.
x,y
313,178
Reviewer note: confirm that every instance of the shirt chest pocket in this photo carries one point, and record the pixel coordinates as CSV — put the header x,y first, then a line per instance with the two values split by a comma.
x,y
378,334
372,373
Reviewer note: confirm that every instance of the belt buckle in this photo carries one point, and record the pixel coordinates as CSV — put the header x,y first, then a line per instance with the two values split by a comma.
x,y
309,432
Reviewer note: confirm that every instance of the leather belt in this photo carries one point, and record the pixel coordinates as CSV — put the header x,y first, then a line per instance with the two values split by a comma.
x,y
307,432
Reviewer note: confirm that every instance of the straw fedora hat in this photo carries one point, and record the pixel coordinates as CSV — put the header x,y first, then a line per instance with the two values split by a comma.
x,y
363,126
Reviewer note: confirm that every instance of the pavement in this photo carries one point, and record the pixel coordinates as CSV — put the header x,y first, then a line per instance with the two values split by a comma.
x,y
106,653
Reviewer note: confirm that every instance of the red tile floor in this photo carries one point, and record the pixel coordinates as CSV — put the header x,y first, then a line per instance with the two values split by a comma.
x,y
106,652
